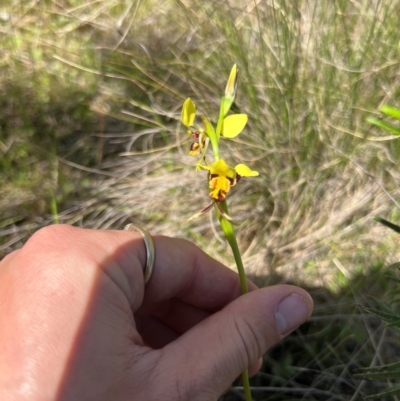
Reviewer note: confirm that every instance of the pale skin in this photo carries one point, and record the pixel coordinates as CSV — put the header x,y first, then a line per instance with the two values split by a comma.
x,y
77,323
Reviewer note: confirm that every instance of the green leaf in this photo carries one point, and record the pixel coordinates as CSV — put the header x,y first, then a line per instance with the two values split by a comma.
x,y
391,111
230,92
395,324
385,307
188,112
209,130
208,127
386,223
383,125
382,394
394,266
226,104
394,278
233,125
221,116
384,372
389,317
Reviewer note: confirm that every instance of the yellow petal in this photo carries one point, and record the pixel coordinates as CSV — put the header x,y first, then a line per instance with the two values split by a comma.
x,y
233,125
245,171
221,169
188,112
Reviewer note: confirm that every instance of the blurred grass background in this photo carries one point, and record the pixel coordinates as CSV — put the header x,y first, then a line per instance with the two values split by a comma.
x,y
90,100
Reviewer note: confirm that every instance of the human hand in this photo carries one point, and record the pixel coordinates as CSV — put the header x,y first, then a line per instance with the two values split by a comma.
x,y
77,323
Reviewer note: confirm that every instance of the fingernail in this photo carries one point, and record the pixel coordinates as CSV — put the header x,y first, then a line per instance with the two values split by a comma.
x,y
291,312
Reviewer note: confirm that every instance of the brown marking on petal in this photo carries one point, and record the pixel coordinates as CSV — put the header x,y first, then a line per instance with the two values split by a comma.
x,y
194,149
232,181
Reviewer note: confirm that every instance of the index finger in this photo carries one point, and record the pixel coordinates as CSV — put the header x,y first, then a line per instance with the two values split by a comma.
x,y
184,271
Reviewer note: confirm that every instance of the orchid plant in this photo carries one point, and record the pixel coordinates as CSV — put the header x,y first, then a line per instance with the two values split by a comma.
x,y
221,175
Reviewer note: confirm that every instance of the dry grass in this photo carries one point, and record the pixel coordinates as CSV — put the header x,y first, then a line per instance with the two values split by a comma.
x,y
311,72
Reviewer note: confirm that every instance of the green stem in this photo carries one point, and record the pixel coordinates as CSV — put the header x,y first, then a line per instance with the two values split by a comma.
x,y
54,209
215,149
246,385
220,119
54,182
229,232
227,227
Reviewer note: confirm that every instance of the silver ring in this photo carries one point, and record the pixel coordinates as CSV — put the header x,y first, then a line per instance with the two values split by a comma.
x,y
150,250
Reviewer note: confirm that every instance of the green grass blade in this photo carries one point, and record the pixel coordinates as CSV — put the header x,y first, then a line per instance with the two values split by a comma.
x,y
386,223
383,125
390,392
391,111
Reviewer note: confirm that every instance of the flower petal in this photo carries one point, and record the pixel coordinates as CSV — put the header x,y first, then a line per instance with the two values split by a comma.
x,y
205,210
188,112
221,169
245,171
194,149
226,215
219,186
233,125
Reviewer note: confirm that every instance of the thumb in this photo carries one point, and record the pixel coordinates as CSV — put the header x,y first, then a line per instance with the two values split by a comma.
x,y
215,352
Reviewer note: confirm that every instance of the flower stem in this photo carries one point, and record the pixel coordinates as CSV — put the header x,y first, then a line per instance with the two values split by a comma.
x,y
246,385
215,149
229,232
227,227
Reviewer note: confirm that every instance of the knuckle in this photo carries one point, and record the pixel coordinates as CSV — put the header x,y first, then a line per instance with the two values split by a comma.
x,y
48,235
46,245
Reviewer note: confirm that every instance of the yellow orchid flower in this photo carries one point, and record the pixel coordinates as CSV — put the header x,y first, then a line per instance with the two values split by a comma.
x,y
222,177
220,180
